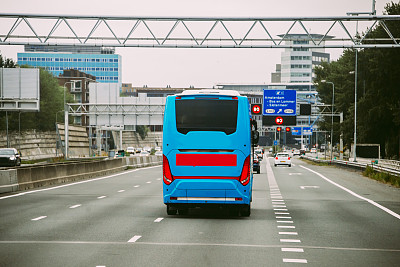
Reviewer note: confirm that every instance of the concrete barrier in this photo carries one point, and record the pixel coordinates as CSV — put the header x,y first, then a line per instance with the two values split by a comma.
x,y
8,181
24,178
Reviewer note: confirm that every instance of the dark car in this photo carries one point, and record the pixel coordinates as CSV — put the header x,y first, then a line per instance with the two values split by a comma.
x,y
9,157
256,165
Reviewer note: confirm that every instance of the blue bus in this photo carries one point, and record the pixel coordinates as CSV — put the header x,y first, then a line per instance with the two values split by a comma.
x,y
207,157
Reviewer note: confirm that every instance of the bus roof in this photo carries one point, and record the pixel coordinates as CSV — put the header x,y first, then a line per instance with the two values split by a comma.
x,y
210,92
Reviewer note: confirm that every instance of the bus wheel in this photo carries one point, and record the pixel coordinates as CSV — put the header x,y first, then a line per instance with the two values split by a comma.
x,y
170,210
183,211
246,210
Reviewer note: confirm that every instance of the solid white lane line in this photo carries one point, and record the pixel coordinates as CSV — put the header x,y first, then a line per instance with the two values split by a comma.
x,y
294,261
120,191
100,197
134,239
81,182
288,233
290,241
75,206
355,194
158,219
292,250
284,221
286,226
38,218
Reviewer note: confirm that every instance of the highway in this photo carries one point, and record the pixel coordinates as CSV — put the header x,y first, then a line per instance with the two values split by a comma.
x,y
303,215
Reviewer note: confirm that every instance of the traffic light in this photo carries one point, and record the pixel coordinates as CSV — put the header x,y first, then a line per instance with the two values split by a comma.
x,y
278,129
287,129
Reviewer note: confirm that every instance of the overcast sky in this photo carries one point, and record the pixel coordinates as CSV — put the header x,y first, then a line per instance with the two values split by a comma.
x,y
198,67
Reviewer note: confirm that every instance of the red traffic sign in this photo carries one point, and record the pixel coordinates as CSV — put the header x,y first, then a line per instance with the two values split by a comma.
x,y
278,120
256,109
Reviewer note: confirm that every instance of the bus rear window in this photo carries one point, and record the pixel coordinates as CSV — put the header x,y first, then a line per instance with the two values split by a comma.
x,y
206,115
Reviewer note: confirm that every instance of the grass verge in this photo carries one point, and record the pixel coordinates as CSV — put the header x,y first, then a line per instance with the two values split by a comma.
x,y
382,177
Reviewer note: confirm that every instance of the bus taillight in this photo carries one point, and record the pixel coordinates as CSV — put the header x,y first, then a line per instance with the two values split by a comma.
x,y
167,176
245,176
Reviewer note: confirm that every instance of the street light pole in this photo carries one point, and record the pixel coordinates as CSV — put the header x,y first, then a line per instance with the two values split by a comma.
x,y
66,125
333,103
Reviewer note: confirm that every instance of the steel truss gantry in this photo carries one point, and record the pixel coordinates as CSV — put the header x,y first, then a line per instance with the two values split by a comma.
x,y
197,32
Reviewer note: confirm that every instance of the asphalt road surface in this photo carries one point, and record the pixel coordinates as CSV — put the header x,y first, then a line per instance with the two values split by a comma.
x,y
303,215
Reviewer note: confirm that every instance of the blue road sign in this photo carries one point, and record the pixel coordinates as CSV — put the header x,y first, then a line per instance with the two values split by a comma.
x,y
300,130
275,142
279,102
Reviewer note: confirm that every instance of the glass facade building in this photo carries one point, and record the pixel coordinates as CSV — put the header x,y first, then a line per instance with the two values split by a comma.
x,y
105,67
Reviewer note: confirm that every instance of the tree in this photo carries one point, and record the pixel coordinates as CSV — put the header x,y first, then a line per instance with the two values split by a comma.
x,y
378,95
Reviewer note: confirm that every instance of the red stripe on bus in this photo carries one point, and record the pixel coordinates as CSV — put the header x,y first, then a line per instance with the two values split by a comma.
x,y
206,160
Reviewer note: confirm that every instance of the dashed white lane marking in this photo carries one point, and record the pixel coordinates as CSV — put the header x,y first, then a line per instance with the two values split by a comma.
x,y
283,217
279,206
282,213
81,182
159,179
287,226
284,221
354,194
120,191
288,233
136,186
295,260
292,250
149,182
281,209
39,218
134,239
75,206
100,197
290,241
158,220
278,200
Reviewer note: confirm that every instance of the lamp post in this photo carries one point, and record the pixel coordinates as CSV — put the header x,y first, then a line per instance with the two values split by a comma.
x,y
333,102
355,110
66,125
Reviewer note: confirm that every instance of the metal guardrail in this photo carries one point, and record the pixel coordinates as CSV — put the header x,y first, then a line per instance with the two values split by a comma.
x,y
388,166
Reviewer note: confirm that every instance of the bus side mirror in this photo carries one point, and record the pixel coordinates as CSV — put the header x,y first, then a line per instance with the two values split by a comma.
x,y
255,136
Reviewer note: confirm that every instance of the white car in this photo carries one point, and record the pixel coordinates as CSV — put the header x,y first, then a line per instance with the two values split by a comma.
x,y
144,153
313,150
130,150
282,159
296,152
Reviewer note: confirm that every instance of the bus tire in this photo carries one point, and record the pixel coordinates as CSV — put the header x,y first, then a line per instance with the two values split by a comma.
x,y
246,210
170,210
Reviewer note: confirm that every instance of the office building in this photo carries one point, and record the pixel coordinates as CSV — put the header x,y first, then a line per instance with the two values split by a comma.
x,y
102,63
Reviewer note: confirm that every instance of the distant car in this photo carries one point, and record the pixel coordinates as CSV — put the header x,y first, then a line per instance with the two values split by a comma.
x,y
146,148
313,150
145,153
259,154
282,159
9,157
130,150
256,165
158,153
302,152
296,152
120,153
